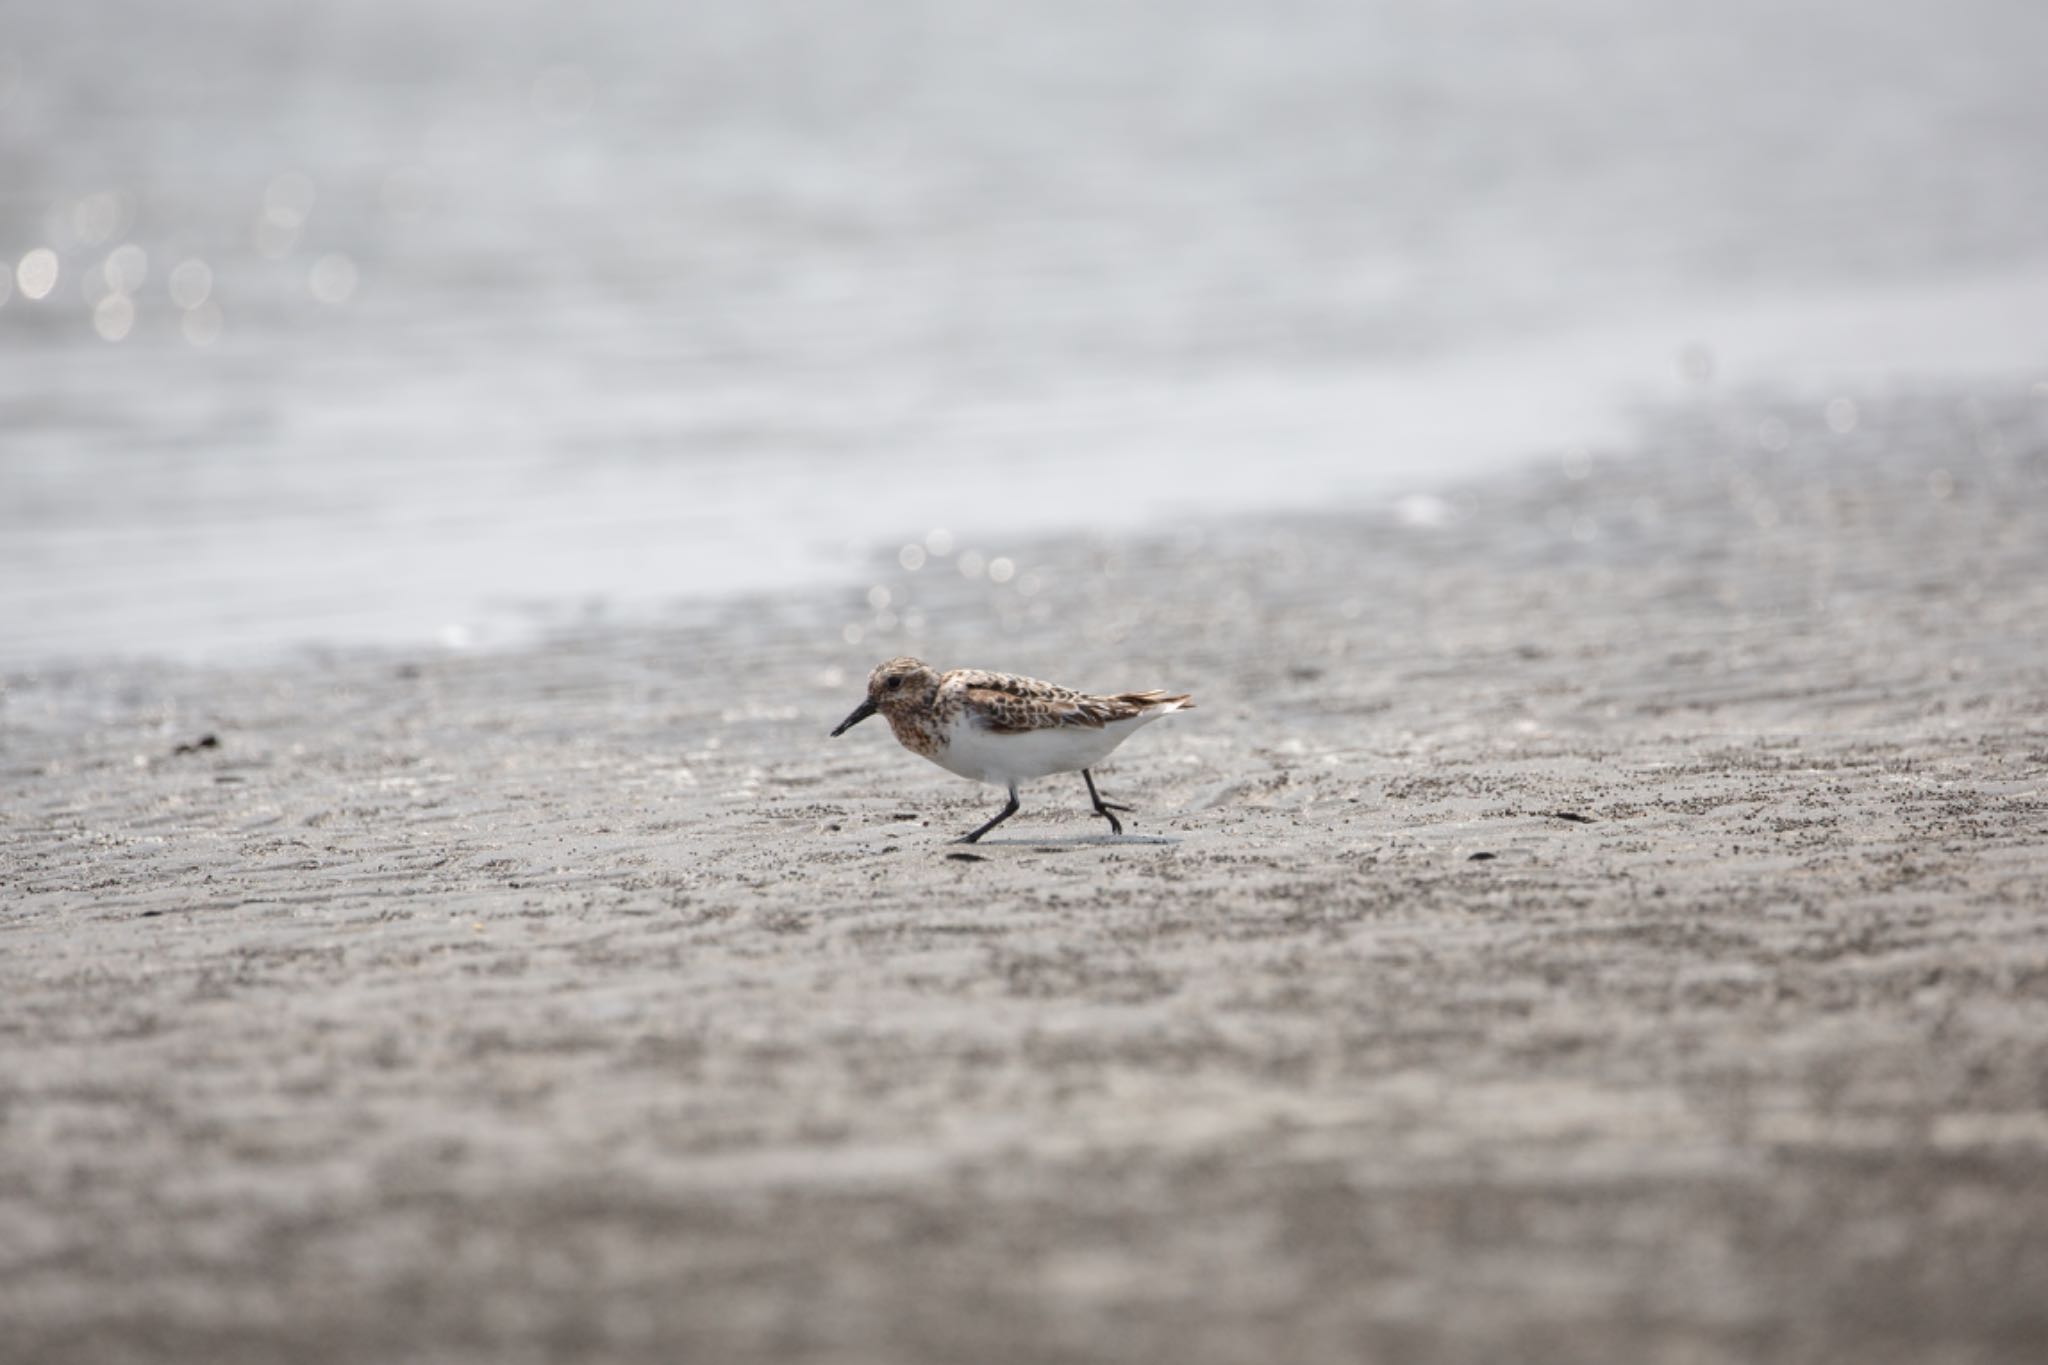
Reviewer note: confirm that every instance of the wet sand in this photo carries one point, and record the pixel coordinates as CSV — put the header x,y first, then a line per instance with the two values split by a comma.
x,y
1593,916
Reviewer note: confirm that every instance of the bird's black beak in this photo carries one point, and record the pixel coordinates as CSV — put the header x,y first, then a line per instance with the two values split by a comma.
x,y
860,713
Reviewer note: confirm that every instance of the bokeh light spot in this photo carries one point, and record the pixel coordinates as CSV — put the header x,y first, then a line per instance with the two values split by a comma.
x,y
98,217
332,278
191,283
1422,509
287,201
1001,570
114,318
37,273
911,557
127,268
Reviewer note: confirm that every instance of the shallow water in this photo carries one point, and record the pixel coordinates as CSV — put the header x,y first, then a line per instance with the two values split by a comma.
x,y
513,314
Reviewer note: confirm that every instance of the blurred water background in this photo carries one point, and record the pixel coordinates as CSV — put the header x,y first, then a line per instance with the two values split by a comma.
x,y
402,321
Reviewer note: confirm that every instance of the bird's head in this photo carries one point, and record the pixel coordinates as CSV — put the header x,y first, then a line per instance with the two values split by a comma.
x,y
895,686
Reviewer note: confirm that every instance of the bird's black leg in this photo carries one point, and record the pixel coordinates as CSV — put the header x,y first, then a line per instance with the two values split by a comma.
x,y
1102,807
1005,813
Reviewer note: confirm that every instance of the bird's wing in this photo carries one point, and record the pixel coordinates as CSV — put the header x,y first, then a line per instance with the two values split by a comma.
x,y
1009,704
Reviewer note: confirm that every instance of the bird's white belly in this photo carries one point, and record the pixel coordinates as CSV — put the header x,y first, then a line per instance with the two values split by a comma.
x,y
986,756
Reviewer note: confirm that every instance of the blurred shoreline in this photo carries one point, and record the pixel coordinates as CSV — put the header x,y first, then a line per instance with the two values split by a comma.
x,y
495,549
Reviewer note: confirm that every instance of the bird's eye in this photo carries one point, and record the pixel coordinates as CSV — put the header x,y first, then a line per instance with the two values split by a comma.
x,y
895,683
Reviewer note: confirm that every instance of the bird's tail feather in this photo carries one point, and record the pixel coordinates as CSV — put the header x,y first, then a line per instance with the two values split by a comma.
x,y
1158,701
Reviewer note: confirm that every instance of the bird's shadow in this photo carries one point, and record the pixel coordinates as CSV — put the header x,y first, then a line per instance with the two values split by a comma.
x,y
1073,842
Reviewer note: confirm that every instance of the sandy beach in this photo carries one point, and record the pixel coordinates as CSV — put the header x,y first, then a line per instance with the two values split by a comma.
x,y
1595,915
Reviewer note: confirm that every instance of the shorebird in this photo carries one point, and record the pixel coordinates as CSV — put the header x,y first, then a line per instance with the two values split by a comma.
x,y
1003,729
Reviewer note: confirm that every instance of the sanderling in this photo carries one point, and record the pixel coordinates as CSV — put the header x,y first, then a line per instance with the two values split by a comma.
x,y
1002,729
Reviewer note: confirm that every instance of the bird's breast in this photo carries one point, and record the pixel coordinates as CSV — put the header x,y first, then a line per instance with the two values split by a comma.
x,y
917,734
